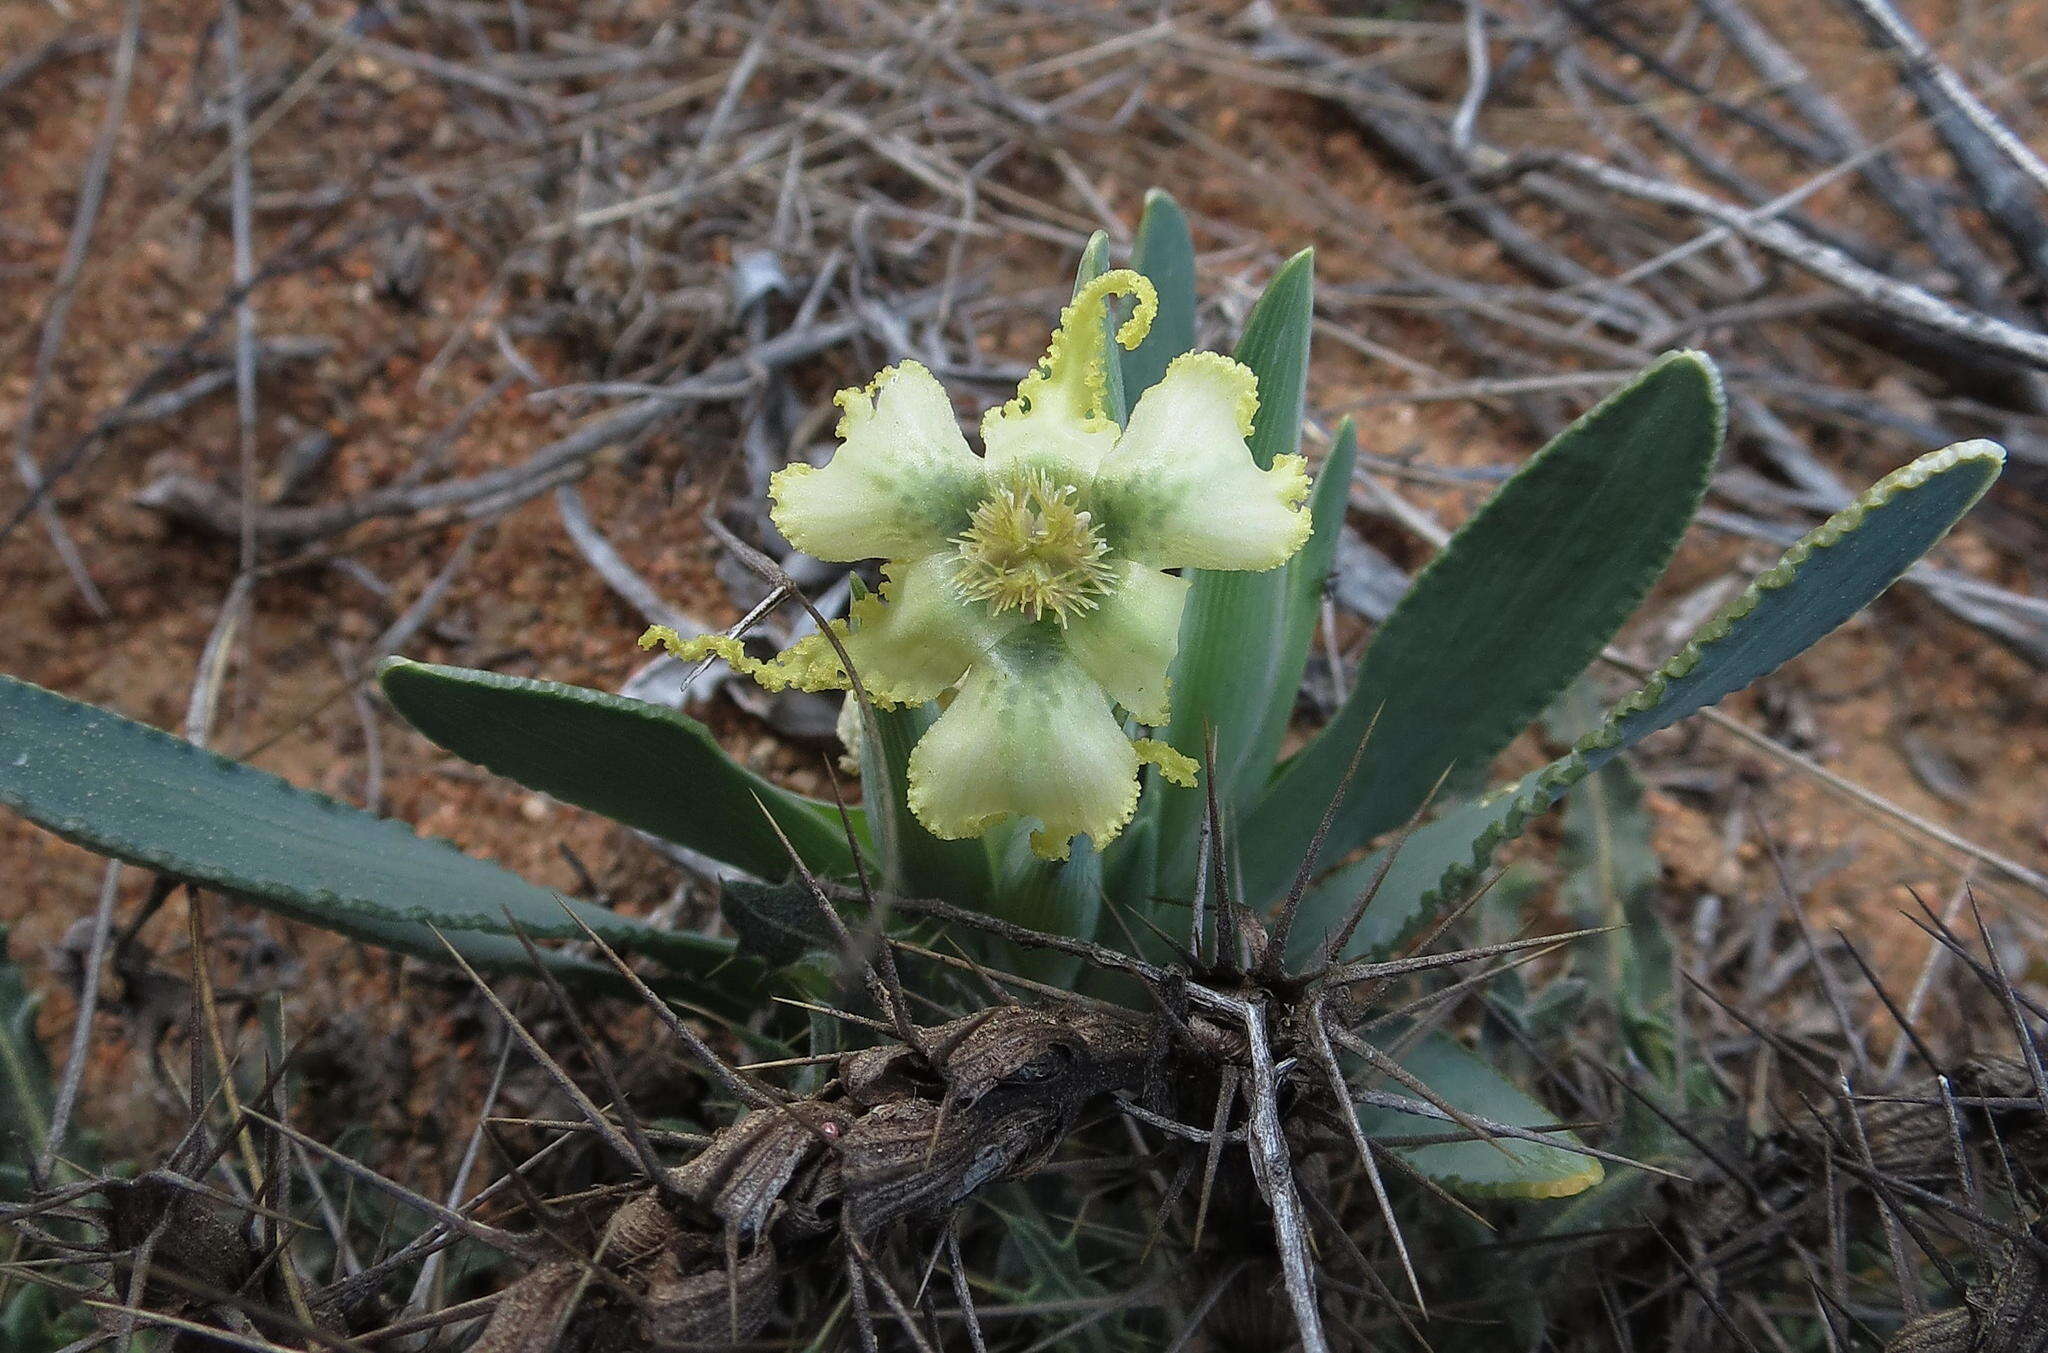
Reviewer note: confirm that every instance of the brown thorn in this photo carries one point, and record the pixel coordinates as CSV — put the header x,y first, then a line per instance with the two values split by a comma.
x,y
1198,905
1906,1028
1769,1036
878,912
1829,987
1430,1000
747,1089
2030,1054
1402,967
600,1061
1887,1210
884,986
1226,1097
1228,909
1283,927
1099,955
1699,1286
1484,1129
1334,1073
1387,1066
606,1133
843,1016
1334,942
1960,1152
503,1241
962,1296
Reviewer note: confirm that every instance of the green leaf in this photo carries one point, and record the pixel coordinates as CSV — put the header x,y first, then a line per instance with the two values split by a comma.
x,y
37,1320
1611,879
1233,655
1165,253
138,794
1506,1167
1502,620
1305,575
24,1081
647,767
1058,897
914,863
1834,571
777,923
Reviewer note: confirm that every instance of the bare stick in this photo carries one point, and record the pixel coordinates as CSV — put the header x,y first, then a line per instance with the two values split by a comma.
x,y
1985,148
1891,297
81,1029
84,217
1273,1171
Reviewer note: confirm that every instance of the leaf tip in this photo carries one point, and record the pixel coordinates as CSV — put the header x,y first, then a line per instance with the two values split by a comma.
x,y
1696,364
393,671
1980,449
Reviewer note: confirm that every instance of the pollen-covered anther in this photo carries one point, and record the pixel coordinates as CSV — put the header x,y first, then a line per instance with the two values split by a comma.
x,y
1030,547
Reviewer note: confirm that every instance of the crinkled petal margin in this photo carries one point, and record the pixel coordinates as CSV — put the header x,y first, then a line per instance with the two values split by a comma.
x,y
902,481
910,644
1031,735
1059,421
1181,489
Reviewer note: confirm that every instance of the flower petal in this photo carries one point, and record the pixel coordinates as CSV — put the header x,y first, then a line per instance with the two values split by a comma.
x,y
1058,421
919,638
1029,734
1128,641
901,482
910,644
1181,489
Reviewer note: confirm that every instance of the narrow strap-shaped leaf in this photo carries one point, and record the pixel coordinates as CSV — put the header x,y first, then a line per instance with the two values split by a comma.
x,y
1502,620
648,767
1306,574
1058,897
1506,1167
24,1082
1095,262
913,862
1830,574
1164,253
1232,655
138,794
1611,876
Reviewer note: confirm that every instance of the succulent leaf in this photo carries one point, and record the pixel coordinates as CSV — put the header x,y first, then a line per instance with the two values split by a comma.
x,y
1506,615
1233,658
1164,253
1506,1167
24,1081
1830,574
138,794
650,768
1611,877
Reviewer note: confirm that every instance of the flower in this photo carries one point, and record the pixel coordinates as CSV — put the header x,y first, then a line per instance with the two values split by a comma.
x,y
1030,586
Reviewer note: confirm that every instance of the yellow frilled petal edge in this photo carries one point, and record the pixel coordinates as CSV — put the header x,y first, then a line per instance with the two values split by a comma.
x,y
1178,769
1059,420
1128,641
1029,734
909,645
902,481
808,665
1181,489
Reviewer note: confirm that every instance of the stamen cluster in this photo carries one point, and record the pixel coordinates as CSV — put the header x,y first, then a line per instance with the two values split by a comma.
x,y
1032,548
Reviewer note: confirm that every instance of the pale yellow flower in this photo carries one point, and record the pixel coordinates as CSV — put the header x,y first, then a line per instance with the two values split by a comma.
x,y
1030,587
